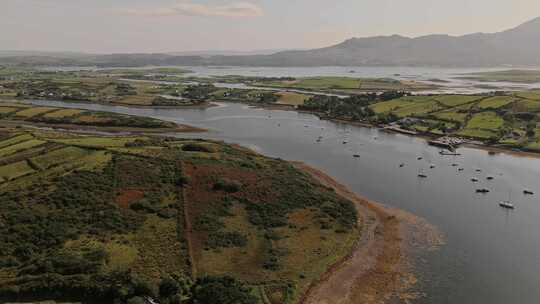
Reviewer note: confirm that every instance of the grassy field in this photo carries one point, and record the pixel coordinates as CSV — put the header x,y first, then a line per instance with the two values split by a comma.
x,y
60,156
81,118
291,98
348,84
20,147
103,206
456,100
34,111
63,113
14,170
407,106
495,102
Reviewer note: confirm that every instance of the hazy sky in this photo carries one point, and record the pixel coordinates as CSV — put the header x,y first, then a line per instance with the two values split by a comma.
x,y
185,25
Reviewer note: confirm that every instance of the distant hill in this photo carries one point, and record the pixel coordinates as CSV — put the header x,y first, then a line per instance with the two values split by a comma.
x,y
519,46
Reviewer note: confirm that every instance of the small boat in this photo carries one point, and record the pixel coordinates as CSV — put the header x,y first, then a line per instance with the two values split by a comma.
x,y
401,165
449,153
345,142
422,175
478,170
490,178
482,191
474,180
432,166
356,155
507,205
420,158
455,165
528,192
460,169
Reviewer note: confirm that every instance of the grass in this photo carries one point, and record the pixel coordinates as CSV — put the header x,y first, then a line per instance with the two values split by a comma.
x,y
527,105
495,102
7,110
483,125
63,113
59,156
452,116
15,140
99,142
83,178
477,133
533,95
456,100
31,112
407,106
15,170
20,147
319,83
291,98
486,121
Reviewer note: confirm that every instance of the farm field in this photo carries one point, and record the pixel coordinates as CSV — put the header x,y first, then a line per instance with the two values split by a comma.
x,y
14,112
346,84
291,98
185,213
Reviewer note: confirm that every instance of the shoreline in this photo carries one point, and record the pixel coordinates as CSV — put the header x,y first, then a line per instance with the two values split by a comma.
x,y
380,268
180,128
425,137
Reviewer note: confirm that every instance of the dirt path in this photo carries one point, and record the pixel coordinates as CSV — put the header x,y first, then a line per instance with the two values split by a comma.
x,y
188,228
379,268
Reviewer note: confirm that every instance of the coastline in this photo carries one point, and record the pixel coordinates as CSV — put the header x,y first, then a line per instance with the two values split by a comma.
x,y
380,268
180,128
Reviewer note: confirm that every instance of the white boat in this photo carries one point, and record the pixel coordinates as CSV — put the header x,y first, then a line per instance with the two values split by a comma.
x,y
507,205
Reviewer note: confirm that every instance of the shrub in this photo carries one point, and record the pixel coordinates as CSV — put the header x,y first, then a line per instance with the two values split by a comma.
x,y
227,185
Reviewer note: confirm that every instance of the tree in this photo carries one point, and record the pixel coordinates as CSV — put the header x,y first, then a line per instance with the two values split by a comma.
x,y
168,287
221,290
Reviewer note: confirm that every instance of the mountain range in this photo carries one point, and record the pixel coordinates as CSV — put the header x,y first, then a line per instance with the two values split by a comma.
x,y
519,46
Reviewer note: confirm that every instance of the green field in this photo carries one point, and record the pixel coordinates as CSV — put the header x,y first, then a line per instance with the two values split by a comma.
x,y
88,210
60,156
31,112
495,102
319,83
291,98
63,113
407,106
15,139
12,171
20,147
100,142
456,100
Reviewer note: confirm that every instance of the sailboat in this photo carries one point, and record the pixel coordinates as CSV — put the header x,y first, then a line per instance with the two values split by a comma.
x,y
507,204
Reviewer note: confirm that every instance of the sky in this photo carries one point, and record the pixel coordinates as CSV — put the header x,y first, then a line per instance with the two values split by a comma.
x,y
131,26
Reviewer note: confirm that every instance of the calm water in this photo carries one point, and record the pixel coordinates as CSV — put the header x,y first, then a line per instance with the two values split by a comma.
x,y
448,77
492,255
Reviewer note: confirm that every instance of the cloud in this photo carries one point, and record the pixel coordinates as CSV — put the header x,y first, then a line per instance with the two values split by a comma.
x,y
185,8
